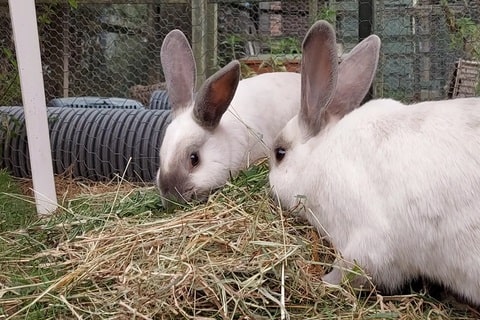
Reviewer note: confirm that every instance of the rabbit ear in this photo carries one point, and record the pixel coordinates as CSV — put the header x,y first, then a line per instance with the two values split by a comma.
x,y
179,69
355,76
319,76
215,95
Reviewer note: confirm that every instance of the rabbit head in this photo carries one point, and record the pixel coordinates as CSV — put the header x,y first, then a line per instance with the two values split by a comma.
x,y
194,152
329,92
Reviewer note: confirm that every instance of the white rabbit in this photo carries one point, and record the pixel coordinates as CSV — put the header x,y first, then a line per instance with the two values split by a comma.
x,y
220,129
395,188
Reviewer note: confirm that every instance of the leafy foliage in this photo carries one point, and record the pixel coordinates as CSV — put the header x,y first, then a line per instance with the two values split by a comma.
x,y
464,32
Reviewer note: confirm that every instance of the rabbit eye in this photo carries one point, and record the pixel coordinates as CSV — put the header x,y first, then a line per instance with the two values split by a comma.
x,y
194,159
280,153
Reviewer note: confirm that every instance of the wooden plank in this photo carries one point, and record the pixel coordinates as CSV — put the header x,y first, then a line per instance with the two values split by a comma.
x,y
199,13
211,38
204,38
312,11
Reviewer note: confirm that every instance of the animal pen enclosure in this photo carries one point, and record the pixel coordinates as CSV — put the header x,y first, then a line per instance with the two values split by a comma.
x,y
105,48
119,255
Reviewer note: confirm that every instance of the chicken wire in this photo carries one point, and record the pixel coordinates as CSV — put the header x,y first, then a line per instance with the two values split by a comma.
x,y
111,48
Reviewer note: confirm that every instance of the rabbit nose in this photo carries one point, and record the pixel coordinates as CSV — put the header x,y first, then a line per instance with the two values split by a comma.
x,y
173,194
174,188
172,199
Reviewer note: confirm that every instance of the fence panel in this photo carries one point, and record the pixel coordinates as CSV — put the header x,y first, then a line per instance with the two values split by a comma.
x,y
107,49
104,49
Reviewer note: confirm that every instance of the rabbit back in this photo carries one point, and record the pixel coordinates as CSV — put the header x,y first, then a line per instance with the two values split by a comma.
x,y
264,104
400,191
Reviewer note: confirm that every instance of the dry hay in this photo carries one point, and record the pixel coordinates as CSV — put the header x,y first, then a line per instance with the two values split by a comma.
x,y
237,257
68,188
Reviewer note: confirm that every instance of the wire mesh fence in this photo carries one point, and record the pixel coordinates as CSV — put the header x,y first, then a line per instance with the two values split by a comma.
x,y
100,48
105,49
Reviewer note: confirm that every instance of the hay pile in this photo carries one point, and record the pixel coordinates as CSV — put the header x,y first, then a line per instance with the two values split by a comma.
x,y
207,263
236,257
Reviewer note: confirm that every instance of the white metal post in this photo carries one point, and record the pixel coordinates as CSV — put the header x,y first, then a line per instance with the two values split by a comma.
x,y
27,48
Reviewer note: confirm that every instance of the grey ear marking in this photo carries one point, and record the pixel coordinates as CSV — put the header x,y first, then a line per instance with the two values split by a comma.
x,y
214,97
179,69
319,76
330,91
355,76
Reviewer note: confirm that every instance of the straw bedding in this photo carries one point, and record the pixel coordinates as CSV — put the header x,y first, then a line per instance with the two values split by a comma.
x,y
236,257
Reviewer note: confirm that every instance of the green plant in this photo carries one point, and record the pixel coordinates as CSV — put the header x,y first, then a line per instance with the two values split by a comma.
x,y
10,92
275,63
464,32
44,16
9,79
231,48
328,14
287,45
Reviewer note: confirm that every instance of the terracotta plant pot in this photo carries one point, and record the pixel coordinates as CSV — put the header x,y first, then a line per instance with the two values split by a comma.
x,y
269,63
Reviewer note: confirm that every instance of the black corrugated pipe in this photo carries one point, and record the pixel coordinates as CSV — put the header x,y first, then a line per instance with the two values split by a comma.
x,y
95,103
91,143
159,100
